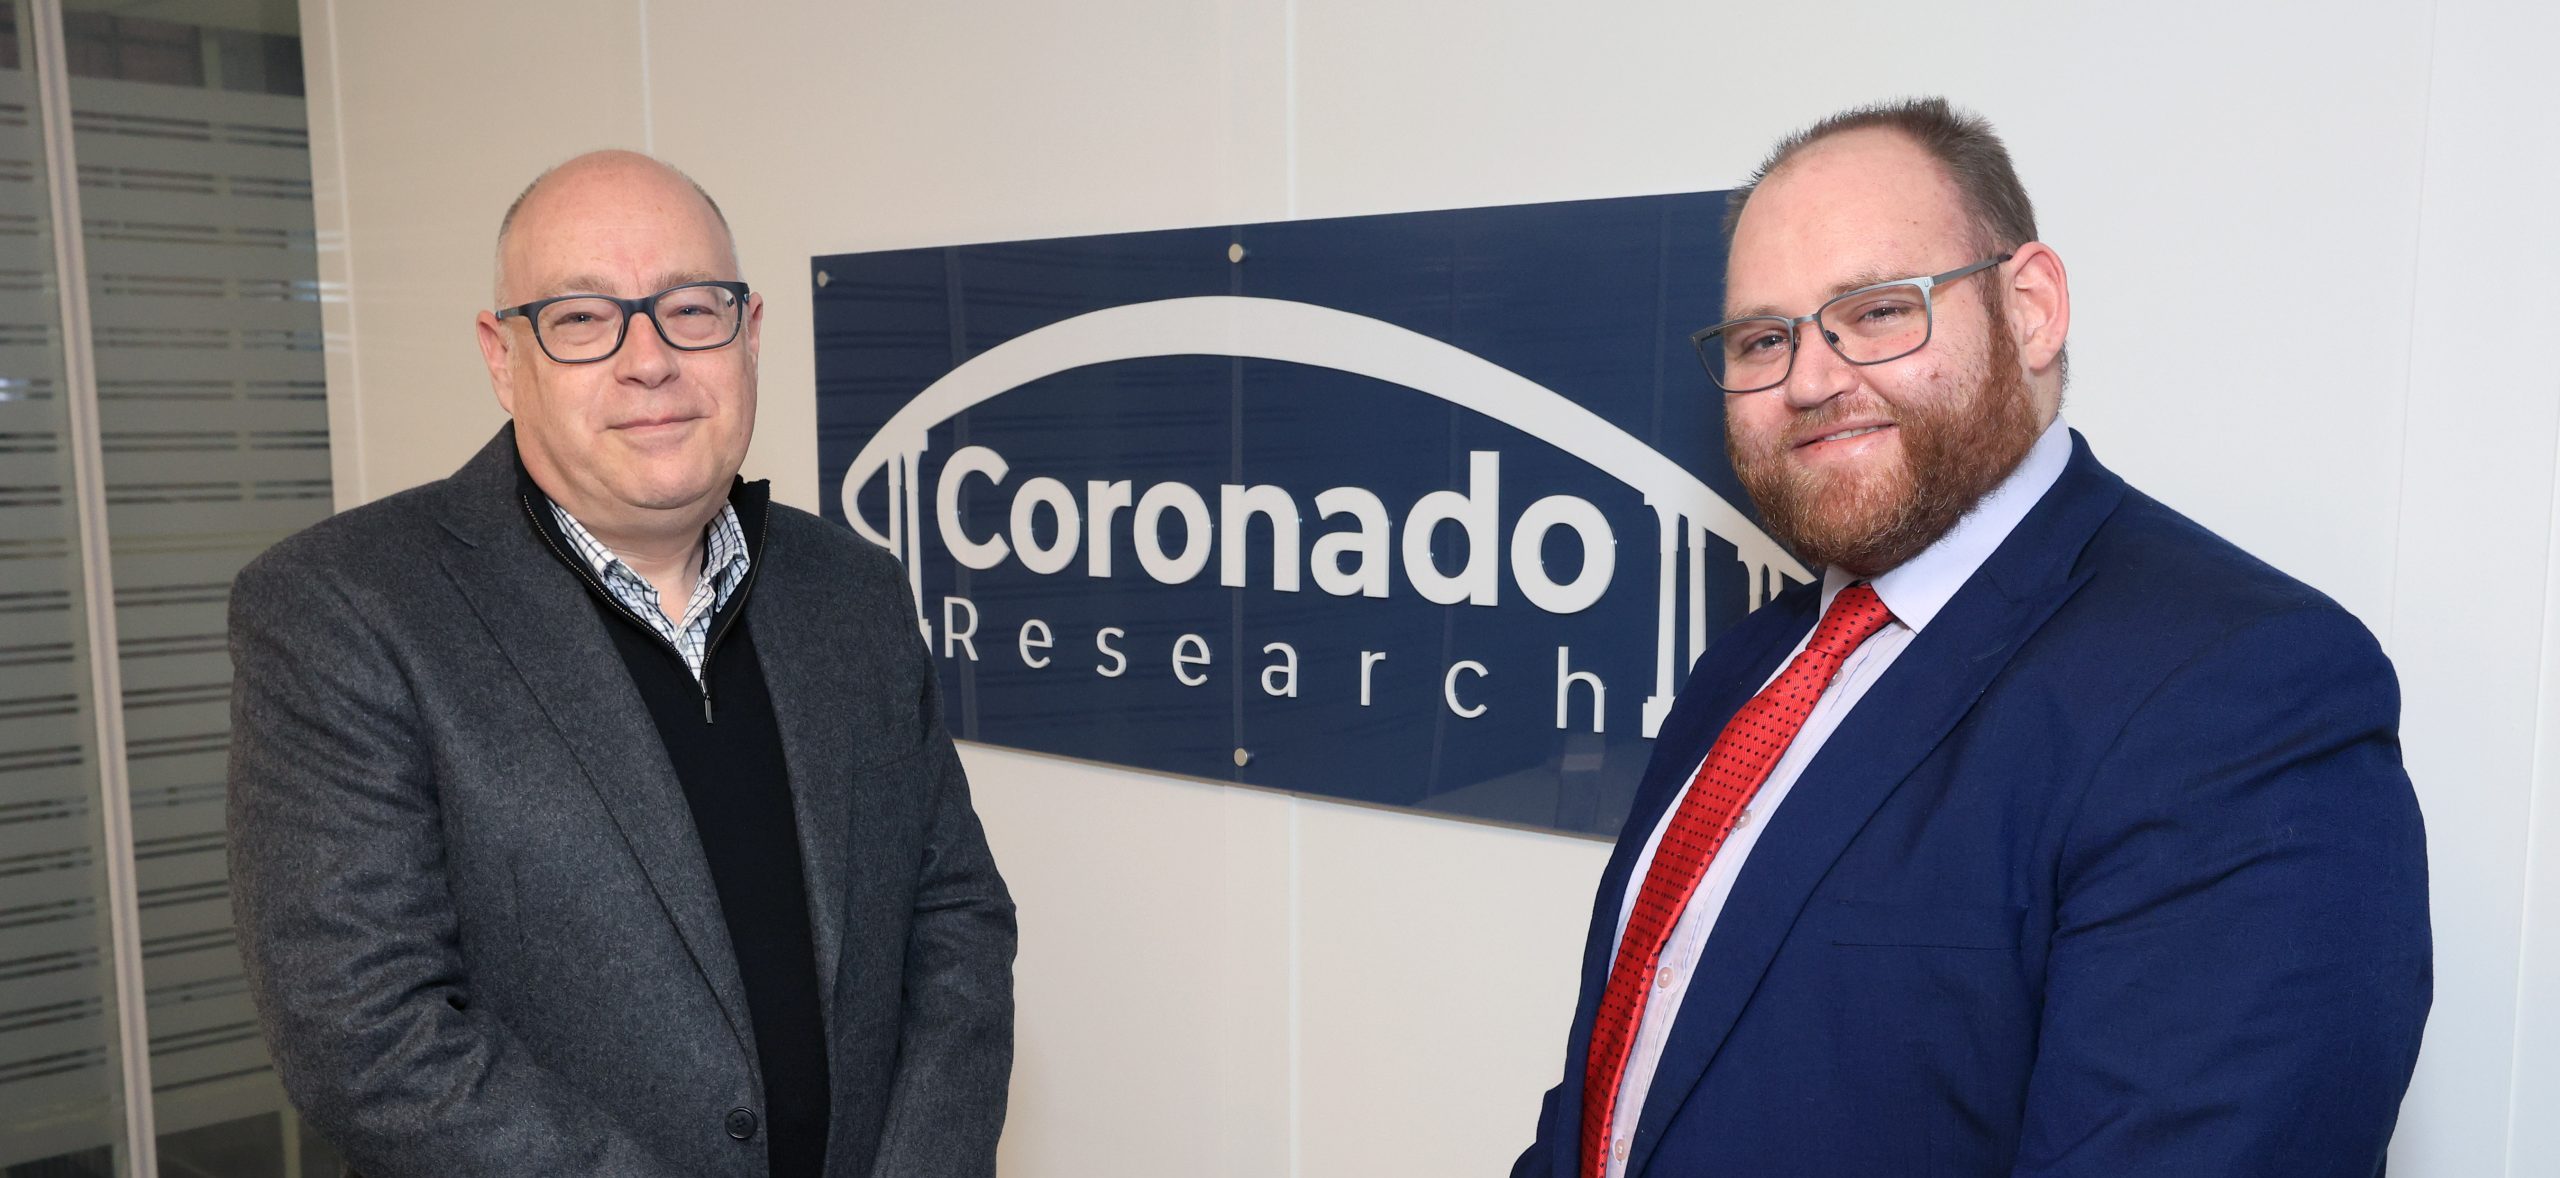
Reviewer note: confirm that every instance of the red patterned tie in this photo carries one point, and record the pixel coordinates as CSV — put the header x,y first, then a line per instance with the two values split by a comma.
x,y
1741,759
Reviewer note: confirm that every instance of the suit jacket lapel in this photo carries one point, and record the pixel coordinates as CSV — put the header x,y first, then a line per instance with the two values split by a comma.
x,y
1929,688
809,681
1746,655
541,617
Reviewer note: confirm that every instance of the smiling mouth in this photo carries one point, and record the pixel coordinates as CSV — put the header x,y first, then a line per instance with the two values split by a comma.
x,y
1843,435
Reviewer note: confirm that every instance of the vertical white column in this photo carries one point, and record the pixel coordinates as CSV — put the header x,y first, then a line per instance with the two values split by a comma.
x,y
1665,621
289,1128
895,475
907,498
332,217
1697,596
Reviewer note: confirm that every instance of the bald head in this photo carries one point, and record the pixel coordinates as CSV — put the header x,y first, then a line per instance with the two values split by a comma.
x,y
573,184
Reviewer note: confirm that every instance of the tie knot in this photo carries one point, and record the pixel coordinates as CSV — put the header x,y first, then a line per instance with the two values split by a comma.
x,y
1855,616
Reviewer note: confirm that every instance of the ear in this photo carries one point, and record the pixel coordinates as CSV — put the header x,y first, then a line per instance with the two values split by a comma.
x,y
755,323
497,347
2037,300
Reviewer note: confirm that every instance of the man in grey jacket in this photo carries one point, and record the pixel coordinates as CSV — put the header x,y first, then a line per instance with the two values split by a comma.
x,y
590,813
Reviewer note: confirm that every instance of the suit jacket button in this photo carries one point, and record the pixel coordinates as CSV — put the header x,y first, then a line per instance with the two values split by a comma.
x,y
741,1123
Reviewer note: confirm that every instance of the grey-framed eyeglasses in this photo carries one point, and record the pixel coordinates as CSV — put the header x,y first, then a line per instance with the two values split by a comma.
x,y
585,328
1869,325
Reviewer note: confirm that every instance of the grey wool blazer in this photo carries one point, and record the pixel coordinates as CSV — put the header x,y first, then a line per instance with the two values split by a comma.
x,y
478,922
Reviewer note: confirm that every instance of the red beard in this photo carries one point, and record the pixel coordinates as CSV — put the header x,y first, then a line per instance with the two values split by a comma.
x,y
1954,452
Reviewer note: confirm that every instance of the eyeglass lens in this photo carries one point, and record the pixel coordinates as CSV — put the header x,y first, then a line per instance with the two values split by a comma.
x,y
1865,327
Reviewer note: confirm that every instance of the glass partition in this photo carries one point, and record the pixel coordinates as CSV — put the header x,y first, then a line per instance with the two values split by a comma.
x,y
61,1108
202,301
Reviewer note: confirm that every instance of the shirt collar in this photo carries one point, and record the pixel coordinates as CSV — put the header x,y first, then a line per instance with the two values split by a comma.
x,y
725,549
1918,588
724,553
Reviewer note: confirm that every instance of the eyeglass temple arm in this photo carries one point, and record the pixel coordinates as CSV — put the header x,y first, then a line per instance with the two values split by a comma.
x,y
1962,271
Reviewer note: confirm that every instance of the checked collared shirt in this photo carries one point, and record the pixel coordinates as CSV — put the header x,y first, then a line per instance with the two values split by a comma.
x,y
724,566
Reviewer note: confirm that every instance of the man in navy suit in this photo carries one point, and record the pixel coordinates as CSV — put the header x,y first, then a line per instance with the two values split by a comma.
x,y
2072,841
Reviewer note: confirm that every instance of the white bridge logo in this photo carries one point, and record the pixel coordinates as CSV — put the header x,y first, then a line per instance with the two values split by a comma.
x,y
1303,333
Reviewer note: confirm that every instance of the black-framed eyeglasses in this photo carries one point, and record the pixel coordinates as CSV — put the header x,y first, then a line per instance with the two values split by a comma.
x,y
1869,325
585,328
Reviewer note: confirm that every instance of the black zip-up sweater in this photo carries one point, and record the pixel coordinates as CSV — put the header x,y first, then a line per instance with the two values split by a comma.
x,y
722,739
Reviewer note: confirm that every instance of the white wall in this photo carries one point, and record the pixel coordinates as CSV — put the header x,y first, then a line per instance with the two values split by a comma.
x,y
2313,257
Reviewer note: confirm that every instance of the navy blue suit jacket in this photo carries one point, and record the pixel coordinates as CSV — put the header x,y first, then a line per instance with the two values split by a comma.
x,y
2114,872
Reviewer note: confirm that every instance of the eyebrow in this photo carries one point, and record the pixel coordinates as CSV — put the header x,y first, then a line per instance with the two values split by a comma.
x,y
1863,278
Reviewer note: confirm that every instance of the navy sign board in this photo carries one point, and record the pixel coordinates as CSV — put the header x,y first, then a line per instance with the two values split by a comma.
x,y
1425,509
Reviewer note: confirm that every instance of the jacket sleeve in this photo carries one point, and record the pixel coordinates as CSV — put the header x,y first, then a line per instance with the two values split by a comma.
x,y
346,923
2240,966
955,1035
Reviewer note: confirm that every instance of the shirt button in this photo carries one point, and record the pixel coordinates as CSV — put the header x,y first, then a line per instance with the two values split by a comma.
x,y
1622,1149
1665,978
741,1123
1741,818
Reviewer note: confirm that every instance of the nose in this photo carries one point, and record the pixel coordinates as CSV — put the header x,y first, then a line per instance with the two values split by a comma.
x,y
1818,373
644,359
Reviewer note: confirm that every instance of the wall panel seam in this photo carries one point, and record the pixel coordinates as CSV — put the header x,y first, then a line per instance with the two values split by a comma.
x,y
2390,617
1297,983
1289,106
2542,775
648,112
